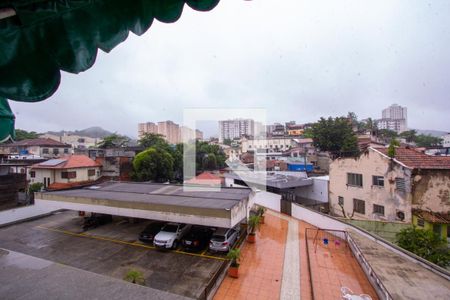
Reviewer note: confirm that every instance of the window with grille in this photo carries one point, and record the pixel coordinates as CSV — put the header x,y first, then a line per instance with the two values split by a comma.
x,y
354,179
69,175
377,180
400,184
359,206
378,209
91,172
420,222
341,200
32,174
45,150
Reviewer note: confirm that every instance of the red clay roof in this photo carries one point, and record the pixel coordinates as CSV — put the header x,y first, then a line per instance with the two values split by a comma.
x,y
67,162
432,217
205,178
43,142
417,160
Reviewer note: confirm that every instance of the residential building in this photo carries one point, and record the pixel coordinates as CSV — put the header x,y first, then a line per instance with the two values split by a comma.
x,y
172,132
293,129
446,140
275,130
148,127
77,141
277,144
394,118
235,129
376,187
65,172
43,147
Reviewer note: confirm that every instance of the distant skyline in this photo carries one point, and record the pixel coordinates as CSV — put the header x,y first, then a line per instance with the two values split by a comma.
x,y
300,60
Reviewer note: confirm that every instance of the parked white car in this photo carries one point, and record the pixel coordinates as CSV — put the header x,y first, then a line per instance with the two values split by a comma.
x,y
170,235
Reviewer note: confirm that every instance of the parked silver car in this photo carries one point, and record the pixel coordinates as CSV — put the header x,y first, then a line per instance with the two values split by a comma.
x,y
223,239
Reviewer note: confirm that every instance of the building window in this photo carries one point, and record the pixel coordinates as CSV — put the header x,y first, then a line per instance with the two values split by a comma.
x,y
354,179
45,150
55,151
400,184
91,172
378,209
341,201
32,174
420,222
377,180
69,175
66,150
437,228
359,206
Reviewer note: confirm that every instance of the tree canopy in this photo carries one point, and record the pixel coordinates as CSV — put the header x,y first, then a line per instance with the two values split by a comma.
x,y
153,139
24,135
426,244
209,156
335,135
153,164
113,141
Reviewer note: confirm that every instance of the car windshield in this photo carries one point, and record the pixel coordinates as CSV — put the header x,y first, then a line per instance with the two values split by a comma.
x,y
219,238
170,228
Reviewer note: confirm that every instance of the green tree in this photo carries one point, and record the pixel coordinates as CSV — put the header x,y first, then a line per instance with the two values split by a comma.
x,y
409,135
391,149
336,136
113,141
209,162
177,155
423,140
153,139
24,135
426,244
387,134
204,149
154,164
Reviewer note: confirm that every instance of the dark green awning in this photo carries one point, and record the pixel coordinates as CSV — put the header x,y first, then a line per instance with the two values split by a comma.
x,y
41,38
46,37
6,121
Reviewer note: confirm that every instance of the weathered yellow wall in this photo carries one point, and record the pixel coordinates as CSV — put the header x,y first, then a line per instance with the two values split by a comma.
x,y
431,190
369,164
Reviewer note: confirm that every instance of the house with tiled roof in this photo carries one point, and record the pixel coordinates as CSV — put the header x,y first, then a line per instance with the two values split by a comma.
x,y
42,147
403,188
65,172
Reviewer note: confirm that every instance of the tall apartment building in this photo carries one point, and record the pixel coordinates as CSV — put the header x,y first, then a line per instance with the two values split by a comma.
x,y
148,127
394,118
172,132
231,129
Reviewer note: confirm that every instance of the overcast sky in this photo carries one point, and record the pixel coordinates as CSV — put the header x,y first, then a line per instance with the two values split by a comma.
x,y
298,59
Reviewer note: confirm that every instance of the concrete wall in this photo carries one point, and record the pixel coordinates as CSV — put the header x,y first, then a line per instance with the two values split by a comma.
x,y
267,199
369,164
40,174
318,191
141,213
386,230
23,213
431,190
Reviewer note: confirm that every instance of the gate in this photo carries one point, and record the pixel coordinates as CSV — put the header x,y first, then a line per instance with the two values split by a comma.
x,y
286,202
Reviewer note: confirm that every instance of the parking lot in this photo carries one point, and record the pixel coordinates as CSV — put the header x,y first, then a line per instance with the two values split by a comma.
x,y
112,249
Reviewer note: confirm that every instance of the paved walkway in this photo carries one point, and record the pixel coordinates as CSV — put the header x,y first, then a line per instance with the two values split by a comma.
x,y
276,266
261,269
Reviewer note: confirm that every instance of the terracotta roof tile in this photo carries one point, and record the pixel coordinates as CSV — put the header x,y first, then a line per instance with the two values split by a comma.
x,y
432,217
43,142
417,160
68,162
